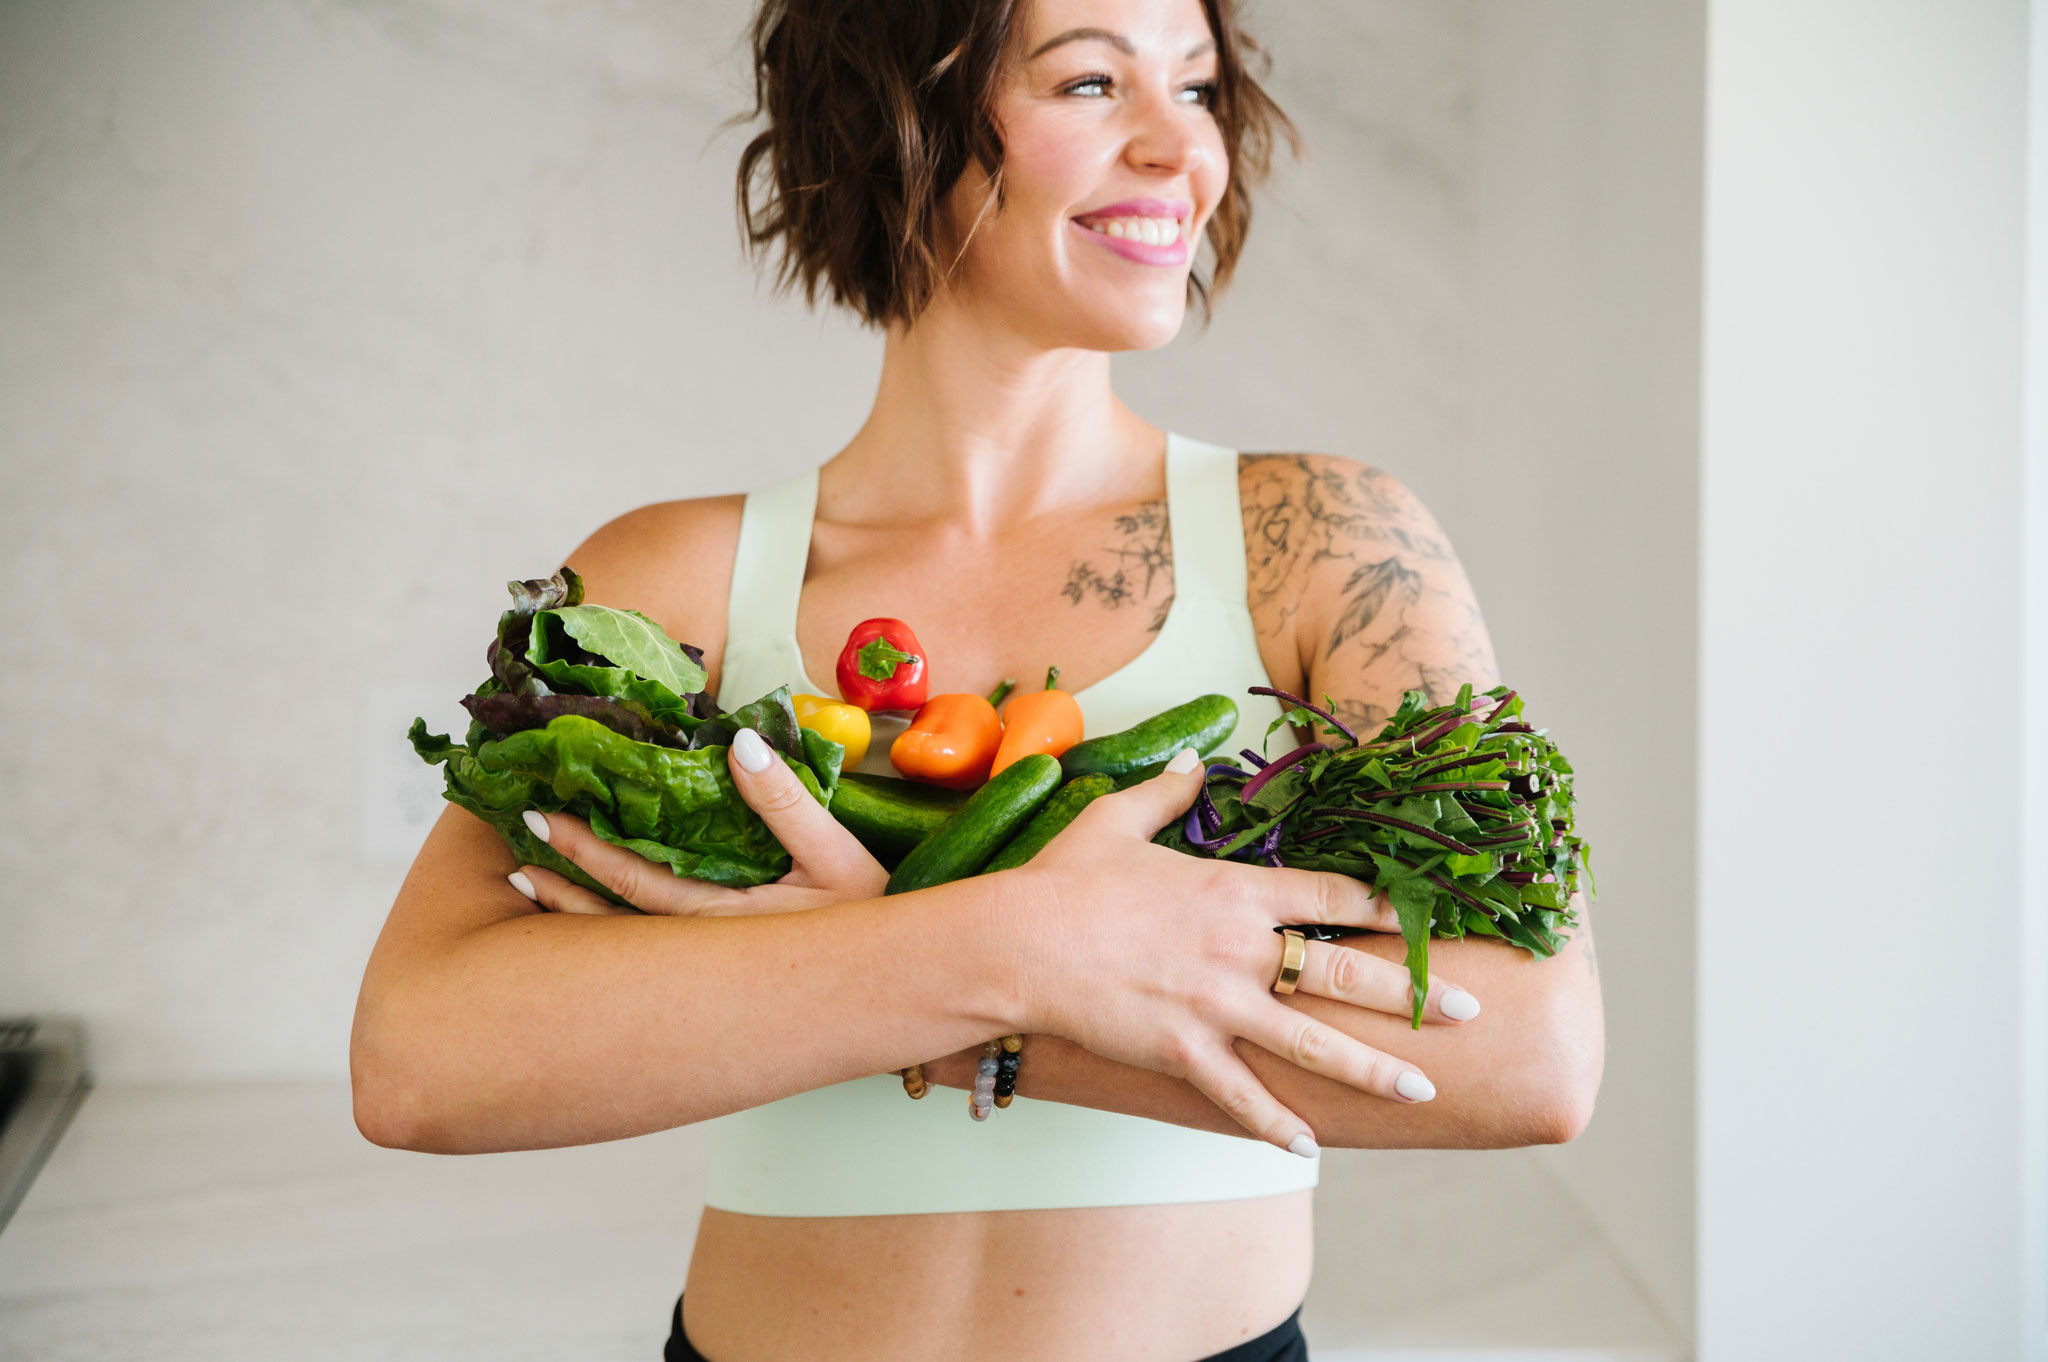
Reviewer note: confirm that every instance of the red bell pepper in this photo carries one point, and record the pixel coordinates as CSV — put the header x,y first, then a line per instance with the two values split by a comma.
x,y
882,666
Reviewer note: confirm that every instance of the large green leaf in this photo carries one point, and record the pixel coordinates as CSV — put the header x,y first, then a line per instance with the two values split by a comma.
x,y
1414,901
676,807
565,665
628,639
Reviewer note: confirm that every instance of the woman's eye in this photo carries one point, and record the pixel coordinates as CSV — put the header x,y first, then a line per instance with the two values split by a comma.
x,y
1206,89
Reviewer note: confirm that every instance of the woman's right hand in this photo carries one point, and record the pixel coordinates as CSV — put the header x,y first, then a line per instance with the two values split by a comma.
x,y
1161,960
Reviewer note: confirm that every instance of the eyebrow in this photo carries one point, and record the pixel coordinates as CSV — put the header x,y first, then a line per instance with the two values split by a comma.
x,y
1116,40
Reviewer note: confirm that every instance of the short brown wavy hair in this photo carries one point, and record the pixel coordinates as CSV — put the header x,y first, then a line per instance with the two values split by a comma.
x,y
875,110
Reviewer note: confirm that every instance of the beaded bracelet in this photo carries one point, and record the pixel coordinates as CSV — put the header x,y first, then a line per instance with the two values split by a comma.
x,y
984,1095
995,1077
1006,1069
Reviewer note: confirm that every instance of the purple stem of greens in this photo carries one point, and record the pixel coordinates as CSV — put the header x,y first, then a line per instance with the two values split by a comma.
x,y
1254,758
1279,764
1266,849
1205,824
1224,770
1440,787
1430,834
1297,702
1437,730
1437,768
1196,837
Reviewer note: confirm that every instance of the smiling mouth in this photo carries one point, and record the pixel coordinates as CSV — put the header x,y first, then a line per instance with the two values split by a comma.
x,y
1148,231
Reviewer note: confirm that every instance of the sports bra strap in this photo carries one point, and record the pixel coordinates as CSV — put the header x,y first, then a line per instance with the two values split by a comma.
x,y
1207,522
768,563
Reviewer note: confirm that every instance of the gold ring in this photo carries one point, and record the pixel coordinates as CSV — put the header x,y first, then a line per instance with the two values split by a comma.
x,y
1291,957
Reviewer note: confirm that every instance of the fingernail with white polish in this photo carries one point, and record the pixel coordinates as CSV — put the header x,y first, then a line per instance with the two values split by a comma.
x,y
518,881
1183,761
536,823
752,752
1414,1087
1303,1144
1459,1005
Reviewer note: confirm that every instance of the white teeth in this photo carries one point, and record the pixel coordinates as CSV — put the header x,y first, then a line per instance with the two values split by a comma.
x,y
1151,231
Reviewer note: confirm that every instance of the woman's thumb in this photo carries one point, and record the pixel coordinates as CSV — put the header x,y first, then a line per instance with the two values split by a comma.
x,y
1150,805
812,836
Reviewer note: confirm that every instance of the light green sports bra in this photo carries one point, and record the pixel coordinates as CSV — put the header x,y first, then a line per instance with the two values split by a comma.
x,y
862,1147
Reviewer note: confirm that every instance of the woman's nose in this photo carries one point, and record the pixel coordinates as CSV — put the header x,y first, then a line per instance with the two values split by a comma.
x,y
1165,134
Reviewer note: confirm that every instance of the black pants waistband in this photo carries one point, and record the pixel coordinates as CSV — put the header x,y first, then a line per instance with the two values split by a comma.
x,y
1281,1343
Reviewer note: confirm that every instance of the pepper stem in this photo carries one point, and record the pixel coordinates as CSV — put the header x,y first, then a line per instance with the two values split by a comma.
x,y
1052,678
1002,692
878,659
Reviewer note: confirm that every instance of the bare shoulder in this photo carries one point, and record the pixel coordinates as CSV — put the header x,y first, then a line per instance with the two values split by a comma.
x,y
671,561
1349,565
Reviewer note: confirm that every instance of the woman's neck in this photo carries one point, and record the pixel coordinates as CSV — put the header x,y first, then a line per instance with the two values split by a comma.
x,y
980,428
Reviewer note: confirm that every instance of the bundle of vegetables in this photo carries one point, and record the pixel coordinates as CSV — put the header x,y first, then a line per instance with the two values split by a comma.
x,y
1461,813
597,712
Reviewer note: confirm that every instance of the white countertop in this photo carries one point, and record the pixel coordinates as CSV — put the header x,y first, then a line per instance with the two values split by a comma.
x,y
245,1221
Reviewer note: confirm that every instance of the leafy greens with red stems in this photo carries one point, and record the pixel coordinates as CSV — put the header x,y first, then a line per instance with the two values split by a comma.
x,y
1461,813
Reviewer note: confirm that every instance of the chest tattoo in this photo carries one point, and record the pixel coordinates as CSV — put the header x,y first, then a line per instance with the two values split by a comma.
x,y
1134,567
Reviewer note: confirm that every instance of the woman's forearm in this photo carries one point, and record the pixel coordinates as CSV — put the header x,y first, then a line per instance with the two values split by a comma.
x,y
534,1030
1525,1071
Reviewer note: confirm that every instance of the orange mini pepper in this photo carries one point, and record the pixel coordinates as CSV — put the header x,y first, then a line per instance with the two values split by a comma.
x,y
951,742
1047,721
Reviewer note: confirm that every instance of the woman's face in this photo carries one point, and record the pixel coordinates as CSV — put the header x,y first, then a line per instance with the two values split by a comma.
x,y
1088,123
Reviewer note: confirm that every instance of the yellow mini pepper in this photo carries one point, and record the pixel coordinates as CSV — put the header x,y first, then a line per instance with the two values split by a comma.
x,y
842,723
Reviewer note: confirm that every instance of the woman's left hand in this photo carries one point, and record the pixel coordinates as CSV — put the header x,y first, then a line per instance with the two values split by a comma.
x,y
830,864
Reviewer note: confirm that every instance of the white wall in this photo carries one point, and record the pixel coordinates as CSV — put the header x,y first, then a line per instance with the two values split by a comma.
x,y
1860,932
2033,961
1583,469
318,321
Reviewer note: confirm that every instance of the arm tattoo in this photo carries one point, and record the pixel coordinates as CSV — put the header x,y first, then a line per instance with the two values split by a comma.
x,y
1137,568
1405,618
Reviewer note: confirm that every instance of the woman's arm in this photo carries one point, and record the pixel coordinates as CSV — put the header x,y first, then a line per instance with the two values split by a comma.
x,y
1386,608
1524,1071
485,1023
1359,596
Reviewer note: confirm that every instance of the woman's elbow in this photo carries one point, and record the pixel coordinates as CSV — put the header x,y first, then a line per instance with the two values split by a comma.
x,y
391,1100
385,1112
1563,1076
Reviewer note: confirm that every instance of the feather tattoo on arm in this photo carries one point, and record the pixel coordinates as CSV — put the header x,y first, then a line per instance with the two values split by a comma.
x,y
1404,617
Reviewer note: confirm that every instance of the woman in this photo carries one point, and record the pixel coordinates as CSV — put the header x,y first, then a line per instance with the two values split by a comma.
x,y
949,176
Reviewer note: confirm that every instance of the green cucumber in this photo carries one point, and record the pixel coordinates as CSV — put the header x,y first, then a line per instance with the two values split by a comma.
x,y
891,816
1204,723
967,840
1074,796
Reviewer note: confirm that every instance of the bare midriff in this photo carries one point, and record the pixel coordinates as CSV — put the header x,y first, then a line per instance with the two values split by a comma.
x,y
1163,1283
